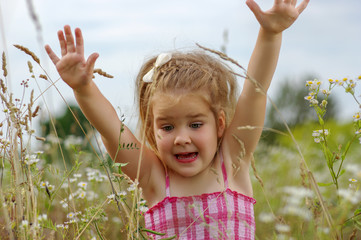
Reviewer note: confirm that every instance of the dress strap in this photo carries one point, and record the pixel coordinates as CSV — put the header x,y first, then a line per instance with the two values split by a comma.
x,y
224,172
167,191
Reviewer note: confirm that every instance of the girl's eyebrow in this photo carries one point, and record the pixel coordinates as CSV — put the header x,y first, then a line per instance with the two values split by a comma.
x,y
191,115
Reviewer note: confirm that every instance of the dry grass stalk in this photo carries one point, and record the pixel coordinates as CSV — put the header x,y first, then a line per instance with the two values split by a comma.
x,y
28,52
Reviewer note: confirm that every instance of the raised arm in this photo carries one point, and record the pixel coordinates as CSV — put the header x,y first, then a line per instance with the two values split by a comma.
x,y
77,73
251,106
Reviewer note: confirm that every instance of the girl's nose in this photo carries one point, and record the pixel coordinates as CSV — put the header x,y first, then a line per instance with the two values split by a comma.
x,y
182,138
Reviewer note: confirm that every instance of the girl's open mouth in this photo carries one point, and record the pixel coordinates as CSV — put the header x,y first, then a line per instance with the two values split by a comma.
x,y
186,157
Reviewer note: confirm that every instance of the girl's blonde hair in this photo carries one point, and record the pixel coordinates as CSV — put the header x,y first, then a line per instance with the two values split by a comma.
x,y
191,72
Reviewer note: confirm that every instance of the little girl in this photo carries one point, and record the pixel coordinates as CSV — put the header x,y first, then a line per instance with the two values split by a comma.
x,y
194,162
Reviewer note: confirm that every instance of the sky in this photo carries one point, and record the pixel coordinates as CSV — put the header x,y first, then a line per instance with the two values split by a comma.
x,y
325,42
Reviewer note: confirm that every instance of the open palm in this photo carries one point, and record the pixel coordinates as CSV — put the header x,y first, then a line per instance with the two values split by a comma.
x,y
282,15
72,66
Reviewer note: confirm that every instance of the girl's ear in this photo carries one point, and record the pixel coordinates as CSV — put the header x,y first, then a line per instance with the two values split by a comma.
x,y
221,123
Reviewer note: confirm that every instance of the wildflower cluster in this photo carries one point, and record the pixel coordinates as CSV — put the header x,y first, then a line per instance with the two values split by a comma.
x,y
320,136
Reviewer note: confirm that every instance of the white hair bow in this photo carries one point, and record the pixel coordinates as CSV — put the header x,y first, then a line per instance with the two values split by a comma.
x,y
162,59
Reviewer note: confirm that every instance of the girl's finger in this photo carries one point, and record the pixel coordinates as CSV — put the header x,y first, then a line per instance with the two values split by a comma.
x,y
255,9
62,43
91,62
69,39
302,6
79,41
51,54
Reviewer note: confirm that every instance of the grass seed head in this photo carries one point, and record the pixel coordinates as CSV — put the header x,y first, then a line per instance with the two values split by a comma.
x,y
102,73
28,52
4,65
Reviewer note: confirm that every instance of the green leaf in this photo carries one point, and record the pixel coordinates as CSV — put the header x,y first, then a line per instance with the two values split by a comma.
x,y
342,172
324,184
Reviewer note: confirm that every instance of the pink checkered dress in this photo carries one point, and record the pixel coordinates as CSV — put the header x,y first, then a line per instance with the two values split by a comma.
x,y
219,215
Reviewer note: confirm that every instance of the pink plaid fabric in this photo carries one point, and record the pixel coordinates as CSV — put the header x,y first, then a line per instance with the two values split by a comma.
x,y
219,215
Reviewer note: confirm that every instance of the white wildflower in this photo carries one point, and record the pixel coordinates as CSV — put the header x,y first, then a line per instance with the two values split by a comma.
x,y
82,185
143,209
313,101
81,194
42,217
357,117
24,223
122,193
64,203
132,187
266,217
70,215
111,198
283,228
44,184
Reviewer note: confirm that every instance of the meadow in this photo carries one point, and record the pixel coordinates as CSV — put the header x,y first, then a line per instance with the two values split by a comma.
x,y
59,183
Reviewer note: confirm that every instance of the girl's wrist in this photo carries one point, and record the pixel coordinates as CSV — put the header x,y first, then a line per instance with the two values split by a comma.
x,y
270,35
85,89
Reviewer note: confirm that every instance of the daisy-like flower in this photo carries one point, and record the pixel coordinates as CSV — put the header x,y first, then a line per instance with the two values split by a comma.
x,y
352,180
64,203
143,209
356,117
70,215
31,159
309,98
81,194
51,187
59,226
82,185
122,193
24,223
44,184
111,198
132,187
326,92
42,217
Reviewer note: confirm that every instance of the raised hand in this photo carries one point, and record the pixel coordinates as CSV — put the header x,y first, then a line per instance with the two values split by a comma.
x,y
72,66
281,16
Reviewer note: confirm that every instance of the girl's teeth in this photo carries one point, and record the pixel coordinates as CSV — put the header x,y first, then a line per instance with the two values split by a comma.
x,y
185,156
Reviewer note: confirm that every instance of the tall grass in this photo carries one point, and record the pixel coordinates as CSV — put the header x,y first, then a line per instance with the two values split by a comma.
x,y
307,187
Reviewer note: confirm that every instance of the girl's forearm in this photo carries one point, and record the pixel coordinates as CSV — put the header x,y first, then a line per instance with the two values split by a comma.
x,y
264,59
99,111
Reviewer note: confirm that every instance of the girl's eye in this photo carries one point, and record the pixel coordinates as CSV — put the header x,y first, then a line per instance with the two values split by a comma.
x,y
196,125
167,128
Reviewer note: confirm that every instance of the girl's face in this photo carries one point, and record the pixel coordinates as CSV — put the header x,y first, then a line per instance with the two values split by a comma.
x,y
186,133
